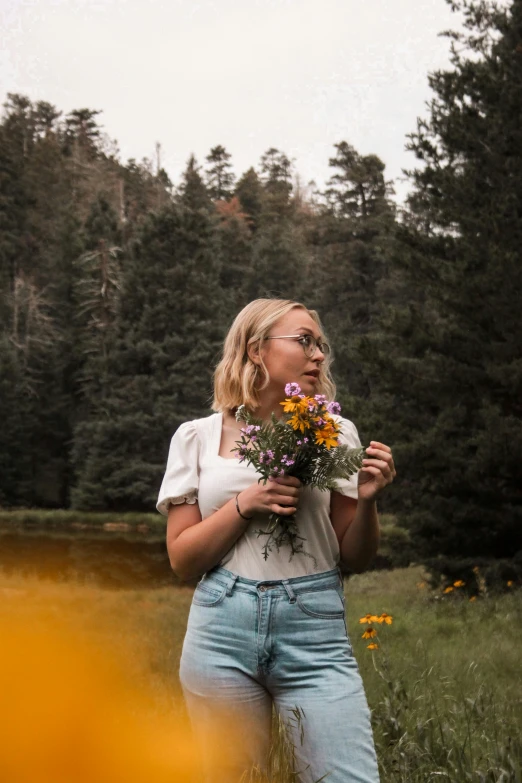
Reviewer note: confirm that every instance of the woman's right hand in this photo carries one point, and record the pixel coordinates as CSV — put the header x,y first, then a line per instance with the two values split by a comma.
x,y
278,496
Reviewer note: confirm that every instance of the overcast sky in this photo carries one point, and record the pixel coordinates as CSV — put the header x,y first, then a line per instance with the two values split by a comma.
x,y
248,74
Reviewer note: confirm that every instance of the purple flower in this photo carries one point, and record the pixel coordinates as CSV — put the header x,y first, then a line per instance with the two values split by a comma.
x,y
266,457
292,389
305,440
320,398
250,429
333,407
299,442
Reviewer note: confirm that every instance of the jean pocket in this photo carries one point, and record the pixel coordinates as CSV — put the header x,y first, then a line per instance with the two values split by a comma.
x,y
209,594
327,603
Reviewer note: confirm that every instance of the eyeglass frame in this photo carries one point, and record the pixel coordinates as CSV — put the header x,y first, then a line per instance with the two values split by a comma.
x,y
318,344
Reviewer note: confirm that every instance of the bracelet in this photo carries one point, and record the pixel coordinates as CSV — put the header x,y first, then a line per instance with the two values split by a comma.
x,y
238,511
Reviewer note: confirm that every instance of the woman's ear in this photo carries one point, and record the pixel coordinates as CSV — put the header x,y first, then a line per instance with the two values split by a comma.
x,y
253,353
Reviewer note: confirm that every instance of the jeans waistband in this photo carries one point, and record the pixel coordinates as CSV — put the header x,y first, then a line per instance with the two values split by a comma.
x,y
292,586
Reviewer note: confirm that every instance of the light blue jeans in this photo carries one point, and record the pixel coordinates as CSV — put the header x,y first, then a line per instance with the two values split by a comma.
x,y
251,644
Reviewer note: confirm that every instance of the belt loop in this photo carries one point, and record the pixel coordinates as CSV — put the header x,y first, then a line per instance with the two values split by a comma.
x,y
290,592
231,584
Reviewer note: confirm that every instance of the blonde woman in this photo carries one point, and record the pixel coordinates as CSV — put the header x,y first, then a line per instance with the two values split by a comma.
x,y
270,632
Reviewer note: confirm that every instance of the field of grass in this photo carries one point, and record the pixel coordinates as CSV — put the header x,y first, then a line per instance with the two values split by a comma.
x,y
444,684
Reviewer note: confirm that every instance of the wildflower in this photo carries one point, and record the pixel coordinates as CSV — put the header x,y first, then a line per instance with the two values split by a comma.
x,y
333,407
510,583
449,589
292,389
385,618
297,423
473,598
421,585
372,646
320,398
266,457
369,633
459,583
326,436
369,618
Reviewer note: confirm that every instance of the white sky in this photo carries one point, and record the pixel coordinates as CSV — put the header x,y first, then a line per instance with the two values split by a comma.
x,y
248,74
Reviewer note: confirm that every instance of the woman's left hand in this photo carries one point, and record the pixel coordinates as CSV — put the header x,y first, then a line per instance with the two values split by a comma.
x,y
377,471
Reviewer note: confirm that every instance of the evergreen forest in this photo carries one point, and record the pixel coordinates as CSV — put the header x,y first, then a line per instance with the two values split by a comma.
x,y
117,287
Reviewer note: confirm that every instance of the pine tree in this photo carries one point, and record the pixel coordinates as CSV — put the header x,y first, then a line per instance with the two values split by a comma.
x,y
219,177
166,341
448,357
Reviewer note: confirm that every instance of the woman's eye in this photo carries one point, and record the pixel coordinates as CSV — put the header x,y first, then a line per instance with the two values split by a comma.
x,y
305,340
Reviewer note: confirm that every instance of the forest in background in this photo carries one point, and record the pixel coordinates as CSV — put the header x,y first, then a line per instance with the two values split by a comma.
x,y
117,287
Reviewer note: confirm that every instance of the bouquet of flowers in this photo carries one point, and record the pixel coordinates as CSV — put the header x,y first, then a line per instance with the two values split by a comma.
x,y
303,443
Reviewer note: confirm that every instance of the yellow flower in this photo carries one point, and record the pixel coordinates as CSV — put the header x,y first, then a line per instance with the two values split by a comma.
x,y
385,618
372,646
421,585
473,598
459,583
449,589
326,436
369,633
295,404
298,423
369,618
510,583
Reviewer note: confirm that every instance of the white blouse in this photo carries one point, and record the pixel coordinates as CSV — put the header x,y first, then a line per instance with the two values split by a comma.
x,y
196,473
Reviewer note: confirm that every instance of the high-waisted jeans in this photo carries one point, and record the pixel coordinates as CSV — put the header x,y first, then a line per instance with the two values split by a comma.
x,y
251,644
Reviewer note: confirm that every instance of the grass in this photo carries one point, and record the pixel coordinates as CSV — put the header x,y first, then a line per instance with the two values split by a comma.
x,y
444,686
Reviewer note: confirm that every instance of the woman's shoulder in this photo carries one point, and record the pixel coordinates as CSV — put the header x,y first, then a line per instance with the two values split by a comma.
x,y
199,427
349,433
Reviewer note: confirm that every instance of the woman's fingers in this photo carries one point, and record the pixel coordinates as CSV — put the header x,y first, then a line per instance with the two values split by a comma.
x,y
382,466
284,510
382,453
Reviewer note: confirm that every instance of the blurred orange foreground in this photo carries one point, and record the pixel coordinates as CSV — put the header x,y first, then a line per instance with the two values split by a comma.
x,y
68,714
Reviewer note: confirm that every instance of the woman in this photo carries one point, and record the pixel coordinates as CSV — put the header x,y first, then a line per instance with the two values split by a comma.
x,y
263,632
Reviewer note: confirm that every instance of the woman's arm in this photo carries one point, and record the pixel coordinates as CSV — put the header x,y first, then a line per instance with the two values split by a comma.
x,y
356,525
195,545
356,522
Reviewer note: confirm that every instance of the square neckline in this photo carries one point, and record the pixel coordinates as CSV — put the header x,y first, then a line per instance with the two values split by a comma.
x,y
217,440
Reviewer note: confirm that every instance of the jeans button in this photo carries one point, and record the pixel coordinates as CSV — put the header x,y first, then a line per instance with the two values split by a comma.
x,y
262,589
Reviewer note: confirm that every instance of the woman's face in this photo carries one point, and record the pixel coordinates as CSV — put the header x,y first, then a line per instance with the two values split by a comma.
x,y
285,359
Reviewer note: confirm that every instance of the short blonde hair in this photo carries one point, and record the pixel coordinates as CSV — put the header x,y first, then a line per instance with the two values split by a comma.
x,y
235,375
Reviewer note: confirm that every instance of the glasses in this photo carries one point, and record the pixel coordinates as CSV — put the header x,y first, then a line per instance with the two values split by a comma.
x,y
308,341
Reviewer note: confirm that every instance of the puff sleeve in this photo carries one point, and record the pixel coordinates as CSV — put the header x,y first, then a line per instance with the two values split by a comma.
x,y
181,480
349,437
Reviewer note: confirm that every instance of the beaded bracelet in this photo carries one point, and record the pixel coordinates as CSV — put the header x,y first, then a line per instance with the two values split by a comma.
x,y
238,511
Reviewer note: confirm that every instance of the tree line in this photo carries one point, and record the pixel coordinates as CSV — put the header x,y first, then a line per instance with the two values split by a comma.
x,y
117,287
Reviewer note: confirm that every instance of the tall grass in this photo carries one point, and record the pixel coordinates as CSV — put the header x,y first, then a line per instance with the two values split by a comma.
x,y
444,686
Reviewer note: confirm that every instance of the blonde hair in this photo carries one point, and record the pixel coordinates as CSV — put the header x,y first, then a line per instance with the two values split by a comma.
x,y
236,374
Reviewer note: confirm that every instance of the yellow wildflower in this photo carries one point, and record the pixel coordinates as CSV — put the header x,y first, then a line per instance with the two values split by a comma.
x,y
369,633
327,436
459,583
298,423
372,646
385,618
449,589
510,583
473,598
421,585
369,618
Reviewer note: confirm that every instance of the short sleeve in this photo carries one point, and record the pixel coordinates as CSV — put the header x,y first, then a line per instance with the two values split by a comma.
x,y
181,480
349,437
